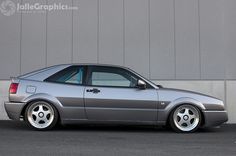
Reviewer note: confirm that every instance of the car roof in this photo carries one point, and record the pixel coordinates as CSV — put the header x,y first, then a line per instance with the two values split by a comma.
x,y
45,72
94,64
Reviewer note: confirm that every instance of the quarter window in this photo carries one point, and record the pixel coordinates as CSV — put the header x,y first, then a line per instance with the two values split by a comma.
x,y
71,75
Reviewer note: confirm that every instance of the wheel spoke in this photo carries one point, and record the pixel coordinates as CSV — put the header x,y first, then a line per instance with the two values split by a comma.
x,y
45,120
35,113
192,117
188,123
186,112
180,115
46,112
181,121
37,120
41,108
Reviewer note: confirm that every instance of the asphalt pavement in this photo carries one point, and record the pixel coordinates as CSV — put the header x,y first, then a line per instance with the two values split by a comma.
x,y
87,140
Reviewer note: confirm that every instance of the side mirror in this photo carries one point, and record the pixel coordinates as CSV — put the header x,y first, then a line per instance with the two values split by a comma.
x,y
141,84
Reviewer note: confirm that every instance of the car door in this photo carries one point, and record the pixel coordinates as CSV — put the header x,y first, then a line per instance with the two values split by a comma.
x,y
111,95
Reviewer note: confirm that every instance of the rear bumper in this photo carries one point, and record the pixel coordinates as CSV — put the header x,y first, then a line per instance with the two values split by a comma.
x,y
215,118
14,109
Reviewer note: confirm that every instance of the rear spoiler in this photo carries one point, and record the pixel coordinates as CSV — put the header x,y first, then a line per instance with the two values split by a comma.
x,y
15,80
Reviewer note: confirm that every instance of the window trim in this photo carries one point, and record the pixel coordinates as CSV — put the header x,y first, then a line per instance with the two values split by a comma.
x,y
89,71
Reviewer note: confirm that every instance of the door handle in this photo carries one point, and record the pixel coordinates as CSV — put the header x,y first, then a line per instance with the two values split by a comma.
x,y
94,90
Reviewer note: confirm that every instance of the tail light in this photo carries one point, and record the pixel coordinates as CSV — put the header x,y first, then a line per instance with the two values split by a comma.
x,y
13,88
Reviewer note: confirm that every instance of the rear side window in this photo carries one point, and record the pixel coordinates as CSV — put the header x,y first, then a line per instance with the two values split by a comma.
x,y
71,75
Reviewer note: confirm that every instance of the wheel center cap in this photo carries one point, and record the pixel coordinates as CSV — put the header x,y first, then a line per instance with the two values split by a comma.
x,y
186,117
40,114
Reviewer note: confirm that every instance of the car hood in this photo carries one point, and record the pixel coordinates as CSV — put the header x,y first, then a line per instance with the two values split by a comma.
x,y
188,92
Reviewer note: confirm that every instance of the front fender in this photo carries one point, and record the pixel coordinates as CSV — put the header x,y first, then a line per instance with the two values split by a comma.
x,y
184,100
163,114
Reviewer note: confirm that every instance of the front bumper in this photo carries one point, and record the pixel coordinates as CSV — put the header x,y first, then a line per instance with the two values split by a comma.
x,y
14,109
215,118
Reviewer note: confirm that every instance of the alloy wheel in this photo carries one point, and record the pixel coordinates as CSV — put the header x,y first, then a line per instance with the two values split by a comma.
x,y
186,118
40,115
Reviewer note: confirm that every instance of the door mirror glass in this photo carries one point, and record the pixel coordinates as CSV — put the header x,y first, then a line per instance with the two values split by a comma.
x,y
141,84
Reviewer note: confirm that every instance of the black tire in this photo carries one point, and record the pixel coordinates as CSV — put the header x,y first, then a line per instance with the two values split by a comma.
x,y
177,128
29,117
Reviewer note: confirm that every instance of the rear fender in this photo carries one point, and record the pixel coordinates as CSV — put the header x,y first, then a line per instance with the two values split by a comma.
x,y
44,97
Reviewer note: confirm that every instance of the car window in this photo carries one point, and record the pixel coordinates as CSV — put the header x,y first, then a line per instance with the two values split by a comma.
x,y
108,76
71,75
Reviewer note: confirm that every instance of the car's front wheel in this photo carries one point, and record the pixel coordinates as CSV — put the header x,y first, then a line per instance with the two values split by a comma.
x,y
41,115
185,118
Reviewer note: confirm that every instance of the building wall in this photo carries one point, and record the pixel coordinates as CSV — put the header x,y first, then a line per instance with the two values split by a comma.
x,y
162,39
3,97
177,41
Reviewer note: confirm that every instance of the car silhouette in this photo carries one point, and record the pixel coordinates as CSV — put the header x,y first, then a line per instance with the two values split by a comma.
x,y
108,94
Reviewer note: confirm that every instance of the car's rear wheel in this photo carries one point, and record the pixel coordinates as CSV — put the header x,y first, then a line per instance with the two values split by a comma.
x,y
41,115
185,118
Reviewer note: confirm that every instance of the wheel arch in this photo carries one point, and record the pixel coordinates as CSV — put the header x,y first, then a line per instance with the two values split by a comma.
x,y
185,101
42,97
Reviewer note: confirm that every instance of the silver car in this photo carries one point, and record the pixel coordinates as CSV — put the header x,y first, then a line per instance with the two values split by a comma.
x,y
94,93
